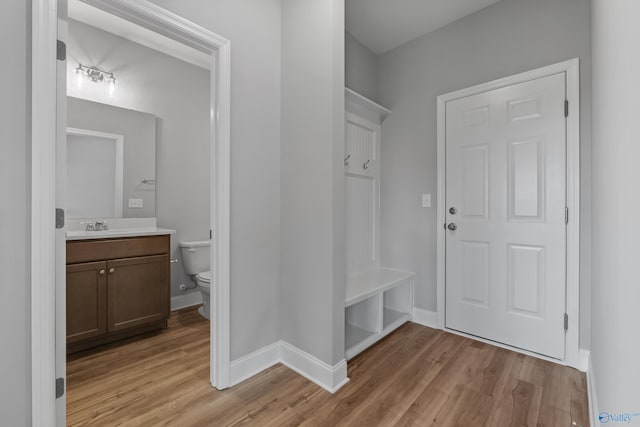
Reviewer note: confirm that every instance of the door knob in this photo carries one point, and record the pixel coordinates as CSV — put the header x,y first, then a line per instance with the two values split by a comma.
x,y
101,272
452,226
112,270
453,210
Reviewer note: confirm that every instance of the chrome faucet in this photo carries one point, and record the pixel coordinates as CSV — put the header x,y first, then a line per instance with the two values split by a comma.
x,y
101,226
88,226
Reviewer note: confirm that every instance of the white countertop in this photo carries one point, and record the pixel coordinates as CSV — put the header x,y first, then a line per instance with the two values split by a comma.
x,y
118,232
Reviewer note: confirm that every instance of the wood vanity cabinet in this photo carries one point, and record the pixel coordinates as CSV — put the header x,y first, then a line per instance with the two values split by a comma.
x,y
116,288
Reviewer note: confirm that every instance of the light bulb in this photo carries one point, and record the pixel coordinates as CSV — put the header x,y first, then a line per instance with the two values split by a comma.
x,y
79,77
111,86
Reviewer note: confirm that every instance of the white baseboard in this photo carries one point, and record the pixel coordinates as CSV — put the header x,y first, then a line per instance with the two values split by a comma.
x,y
592,395
186,300
583,360
425,317
331,378
254,363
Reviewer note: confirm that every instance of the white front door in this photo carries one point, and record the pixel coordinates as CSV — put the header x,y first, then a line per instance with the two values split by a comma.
x,y
505,210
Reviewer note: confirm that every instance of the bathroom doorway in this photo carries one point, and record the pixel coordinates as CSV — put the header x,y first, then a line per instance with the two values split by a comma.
x,y
102,82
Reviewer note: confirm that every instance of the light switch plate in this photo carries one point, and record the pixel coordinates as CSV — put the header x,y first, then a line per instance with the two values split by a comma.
x,y
136,203
426,200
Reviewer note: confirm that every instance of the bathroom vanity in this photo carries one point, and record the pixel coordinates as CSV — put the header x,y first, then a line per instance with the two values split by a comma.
x,y
118,285
118,260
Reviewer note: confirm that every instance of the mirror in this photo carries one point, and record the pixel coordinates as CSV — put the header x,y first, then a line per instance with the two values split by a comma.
x,y
111,161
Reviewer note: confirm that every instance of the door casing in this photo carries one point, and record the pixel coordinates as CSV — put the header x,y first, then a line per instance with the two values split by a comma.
x,y
44,119
571,69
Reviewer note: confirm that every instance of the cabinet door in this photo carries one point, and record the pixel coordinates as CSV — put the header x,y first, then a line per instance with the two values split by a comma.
x,y
138,291
86,300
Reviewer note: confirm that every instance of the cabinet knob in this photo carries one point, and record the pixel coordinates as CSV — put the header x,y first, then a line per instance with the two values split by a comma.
x,y
112,270
101,272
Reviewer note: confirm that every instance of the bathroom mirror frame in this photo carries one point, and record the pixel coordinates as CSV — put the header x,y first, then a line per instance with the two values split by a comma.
x,y
48,113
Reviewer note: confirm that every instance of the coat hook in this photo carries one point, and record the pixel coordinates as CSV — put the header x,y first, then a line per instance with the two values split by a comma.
x,y
366,165
346,160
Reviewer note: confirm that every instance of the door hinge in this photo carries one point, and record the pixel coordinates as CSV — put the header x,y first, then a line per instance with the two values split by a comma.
x,y
210,234
566,215
566,322
566,108
59,387
59,218
61,51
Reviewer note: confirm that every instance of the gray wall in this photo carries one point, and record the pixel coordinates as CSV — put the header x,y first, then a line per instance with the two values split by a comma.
x,y
313,272
615,346
15,136
361,68
509,37
178,94
253,26
139,131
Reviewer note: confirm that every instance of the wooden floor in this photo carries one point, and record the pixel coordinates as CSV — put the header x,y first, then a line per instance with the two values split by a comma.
x,y
415,377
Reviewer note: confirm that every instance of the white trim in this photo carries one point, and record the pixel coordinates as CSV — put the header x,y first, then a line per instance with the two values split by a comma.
x,y
221,220
43,204
584,357
425,317
330,378
162,21
253,363
80,11
119,181
592,395
43,118
186,300
571,68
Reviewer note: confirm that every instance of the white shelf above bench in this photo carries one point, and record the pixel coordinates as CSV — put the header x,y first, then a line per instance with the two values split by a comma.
x,y
361,105
373,282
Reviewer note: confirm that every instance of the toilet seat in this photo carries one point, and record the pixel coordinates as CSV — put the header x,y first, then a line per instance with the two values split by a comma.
x,y
204,279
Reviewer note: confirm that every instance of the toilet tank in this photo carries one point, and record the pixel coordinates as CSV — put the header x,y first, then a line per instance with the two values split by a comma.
x,y
196,256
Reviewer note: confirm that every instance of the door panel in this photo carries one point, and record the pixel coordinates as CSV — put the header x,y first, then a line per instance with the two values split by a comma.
x,y
526,180
474,279
86,301
506,178
526,280
138,291
474,181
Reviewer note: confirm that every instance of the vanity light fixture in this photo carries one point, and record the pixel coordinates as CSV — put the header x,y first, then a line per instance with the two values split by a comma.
x,y
96,75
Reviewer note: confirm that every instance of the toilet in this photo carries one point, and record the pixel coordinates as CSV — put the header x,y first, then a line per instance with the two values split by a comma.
x,y
196,258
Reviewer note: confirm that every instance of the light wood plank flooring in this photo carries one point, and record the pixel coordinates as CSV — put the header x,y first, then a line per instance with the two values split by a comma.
x,y
415,377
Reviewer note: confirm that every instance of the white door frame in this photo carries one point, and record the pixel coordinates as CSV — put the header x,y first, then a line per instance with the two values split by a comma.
x,y
571,68
43,202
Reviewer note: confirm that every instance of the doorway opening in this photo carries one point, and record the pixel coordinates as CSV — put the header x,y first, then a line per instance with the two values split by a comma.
x,y
139,182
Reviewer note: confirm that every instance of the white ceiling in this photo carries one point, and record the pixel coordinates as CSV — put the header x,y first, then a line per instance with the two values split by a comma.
x,y
382,25
95,17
